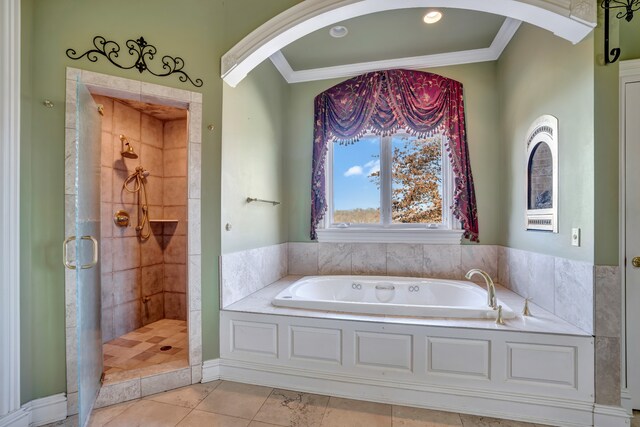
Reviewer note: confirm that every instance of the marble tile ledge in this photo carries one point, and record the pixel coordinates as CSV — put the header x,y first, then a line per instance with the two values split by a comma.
x,y
541,320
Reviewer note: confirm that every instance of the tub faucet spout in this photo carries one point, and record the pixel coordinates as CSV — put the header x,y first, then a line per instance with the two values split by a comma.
x,y
491,289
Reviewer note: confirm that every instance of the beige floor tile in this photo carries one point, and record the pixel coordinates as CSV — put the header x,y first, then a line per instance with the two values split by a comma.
x,y
235,399
291,408
261,424
475,421
102,416
140,348
404,416
355,413
71,421
114,350
147,413
188,397
209,419
635,421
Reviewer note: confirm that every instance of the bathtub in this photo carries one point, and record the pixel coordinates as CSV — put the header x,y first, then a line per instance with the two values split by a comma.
x,y
391,296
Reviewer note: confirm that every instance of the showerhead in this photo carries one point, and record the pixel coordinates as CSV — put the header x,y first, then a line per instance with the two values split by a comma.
x,y
127,148
129,154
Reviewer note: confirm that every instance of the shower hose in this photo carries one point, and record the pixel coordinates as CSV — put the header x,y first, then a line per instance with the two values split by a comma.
x,y
136,180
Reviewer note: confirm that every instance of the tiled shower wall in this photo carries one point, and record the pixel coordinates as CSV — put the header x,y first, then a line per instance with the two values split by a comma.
x,y
133,268
174,203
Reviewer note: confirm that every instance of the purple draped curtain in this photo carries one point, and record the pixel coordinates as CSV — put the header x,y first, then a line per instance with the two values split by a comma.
x,y
384,102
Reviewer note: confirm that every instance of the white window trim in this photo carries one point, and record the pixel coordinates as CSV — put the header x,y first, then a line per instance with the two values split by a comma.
x,y
447,233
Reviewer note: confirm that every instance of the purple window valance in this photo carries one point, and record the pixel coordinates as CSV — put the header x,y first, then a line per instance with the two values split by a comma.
x,y
384,102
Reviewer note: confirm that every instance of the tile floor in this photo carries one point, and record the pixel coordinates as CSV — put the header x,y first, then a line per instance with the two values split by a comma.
x,y
230,404
143,347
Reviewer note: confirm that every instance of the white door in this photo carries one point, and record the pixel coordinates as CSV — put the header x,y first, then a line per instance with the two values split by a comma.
x,y
631,136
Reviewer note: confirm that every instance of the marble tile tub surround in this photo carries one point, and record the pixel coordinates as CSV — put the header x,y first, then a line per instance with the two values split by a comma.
x,y
562,286
569,289
608,325
245,272
393,259
542,322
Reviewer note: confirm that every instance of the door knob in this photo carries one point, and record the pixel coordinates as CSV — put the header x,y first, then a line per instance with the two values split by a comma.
x,y
636,261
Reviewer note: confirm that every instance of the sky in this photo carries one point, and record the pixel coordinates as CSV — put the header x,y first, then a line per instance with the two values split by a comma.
x,y
352,165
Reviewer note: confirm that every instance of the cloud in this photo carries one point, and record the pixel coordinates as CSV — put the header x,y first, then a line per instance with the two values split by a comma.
x,y
374,166
353,170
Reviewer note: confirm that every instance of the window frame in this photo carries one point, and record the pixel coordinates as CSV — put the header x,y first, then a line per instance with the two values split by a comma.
x,y
447,232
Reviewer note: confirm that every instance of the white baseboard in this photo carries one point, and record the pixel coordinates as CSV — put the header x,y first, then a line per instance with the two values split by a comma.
x,y
533,409
610,416
625,400
47,409
38,412
19,418
210,370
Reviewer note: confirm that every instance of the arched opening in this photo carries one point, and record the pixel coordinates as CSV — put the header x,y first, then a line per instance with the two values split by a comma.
x,y
572,22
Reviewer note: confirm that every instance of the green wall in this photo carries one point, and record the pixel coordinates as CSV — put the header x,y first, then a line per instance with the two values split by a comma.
x,y
481,106
606,157
543,74
630,38
253,140
626,35
200,31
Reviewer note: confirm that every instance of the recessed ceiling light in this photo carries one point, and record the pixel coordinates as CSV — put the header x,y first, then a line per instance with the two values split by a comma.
x,y
338,31
432,17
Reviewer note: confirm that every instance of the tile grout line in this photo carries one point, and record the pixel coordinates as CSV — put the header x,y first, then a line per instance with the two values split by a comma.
x,y
258,411
325,411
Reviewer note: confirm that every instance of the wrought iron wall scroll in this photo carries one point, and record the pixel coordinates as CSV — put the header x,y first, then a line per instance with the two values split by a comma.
x,y
141,52
629,6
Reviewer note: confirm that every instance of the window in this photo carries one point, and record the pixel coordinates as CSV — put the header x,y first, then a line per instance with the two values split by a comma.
x,y
393,188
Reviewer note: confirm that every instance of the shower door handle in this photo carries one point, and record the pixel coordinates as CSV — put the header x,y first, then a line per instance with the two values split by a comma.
x,y
65,254
65,259
94,259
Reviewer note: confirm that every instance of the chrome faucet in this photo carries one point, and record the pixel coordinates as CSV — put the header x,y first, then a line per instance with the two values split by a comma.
x,y
491,288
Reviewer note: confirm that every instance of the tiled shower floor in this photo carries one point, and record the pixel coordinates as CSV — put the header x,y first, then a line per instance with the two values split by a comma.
x,y
142,348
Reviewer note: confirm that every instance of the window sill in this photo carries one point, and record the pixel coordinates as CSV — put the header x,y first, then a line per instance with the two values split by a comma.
x,y
407,235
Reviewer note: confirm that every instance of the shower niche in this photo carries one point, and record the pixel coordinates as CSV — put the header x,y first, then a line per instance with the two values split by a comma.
x,y
144,234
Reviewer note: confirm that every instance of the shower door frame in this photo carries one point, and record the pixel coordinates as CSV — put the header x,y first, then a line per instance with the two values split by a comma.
x,y
122,88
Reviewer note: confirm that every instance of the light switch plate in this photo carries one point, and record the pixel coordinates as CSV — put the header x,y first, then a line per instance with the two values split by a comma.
x,y
575,237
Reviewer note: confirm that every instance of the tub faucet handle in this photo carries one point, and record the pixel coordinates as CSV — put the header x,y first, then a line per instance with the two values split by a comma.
x,y
525,309
499,320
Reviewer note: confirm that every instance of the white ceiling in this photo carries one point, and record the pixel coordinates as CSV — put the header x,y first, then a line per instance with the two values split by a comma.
x,y
396,39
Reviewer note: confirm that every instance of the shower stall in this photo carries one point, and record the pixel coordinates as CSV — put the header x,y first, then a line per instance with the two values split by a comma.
x,y
143,236
132,247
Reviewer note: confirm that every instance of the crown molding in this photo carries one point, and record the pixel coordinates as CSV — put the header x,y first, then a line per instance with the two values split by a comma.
x,y
491,53
556,16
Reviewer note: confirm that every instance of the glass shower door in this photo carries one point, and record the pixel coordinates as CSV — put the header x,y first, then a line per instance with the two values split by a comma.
x,y
88,136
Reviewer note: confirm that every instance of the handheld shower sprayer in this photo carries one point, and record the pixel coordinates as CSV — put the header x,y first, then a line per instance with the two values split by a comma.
x,y
138,179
